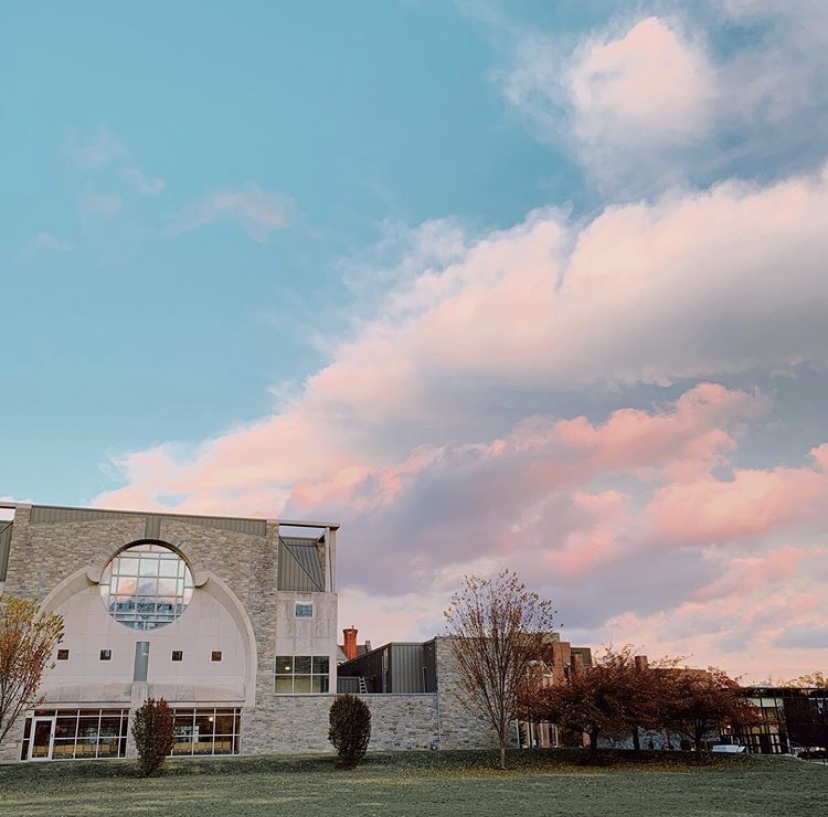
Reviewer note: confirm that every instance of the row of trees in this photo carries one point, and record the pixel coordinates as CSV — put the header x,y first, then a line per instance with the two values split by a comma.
x,y
619,696
499,630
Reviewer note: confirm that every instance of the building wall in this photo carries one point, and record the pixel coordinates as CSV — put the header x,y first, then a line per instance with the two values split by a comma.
x,y
56,556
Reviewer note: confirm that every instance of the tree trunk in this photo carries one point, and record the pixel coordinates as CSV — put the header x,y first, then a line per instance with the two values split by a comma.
x,y
593,741
636,740
503,755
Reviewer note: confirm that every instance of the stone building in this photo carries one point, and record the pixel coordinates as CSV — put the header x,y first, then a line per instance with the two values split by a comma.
x,y
233,621
423,679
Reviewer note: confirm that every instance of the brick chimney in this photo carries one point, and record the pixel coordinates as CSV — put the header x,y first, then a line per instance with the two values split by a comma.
x,y
350,645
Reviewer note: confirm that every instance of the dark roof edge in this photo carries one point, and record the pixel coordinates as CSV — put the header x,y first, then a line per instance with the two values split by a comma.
x,y
281,522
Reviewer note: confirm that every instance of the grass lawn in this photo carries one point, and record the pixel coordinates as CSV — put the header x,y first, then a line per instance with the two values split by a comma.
x,y
422,784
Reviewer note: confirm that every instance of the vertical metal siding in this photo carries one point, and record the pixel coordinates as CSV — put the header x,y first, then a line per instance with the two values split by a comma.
x,y
290,575
5,548
152,527
407,663
299,566
48,514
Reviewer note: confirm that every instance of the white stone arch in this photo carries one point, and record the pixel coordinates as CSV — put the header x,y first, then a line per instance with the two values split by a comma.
x,y
205,580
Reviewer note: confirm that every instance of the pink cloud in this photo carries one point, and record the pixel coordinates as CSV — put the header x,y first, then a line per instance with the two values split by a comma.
x,y
753,502
430,433
626,86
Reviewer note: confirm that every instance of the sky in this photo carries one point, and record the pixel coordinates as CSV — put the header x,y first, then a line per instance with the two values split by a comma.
x,y
494,285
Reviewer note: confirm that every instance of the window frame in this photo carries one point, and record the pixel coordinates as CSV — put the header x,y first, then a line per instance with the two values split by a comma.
x,y
302,675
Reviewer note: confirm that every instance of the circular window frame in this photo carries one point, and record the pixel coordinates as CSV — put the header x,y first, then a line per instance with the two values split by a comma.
x,y
162,585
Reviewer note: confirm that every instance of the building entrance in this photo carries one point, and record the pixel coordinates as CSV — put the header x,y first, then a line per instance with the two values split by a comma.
x,y
43,739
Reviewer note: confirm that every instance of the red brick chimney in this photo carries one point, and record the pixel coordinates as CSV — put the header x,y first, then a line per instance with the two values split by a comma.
x,y
350,645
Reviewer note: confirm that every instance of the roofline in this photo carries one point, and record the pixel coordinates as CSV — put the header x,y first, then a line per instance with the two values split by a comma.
x,y
294,523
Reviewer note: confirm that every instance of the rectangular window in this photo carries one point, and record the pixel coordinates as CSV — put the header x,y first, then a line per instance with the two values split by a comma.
x,y
207,732
177,655
215,655
302,674
79,734
303,610
106,655
63,655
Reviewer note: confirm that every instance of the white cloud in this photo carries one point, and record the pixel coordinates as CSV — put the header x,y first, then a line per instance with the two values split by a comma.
x,y
138,180
645,103
100,204
97,151
47,241
257,211
653,85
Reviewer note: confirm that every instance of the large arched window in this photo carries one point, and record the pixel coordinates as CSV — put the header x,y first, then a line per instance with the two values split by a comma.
x,y
146,586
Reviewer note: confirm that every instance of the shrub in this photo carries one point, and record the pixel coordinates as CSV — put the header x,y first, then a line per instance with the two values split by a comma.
x,y
154,732
350,729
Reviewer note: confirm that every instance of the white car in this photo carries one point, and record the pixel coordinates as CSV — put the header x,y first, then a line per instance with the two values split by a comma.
x,y
728,748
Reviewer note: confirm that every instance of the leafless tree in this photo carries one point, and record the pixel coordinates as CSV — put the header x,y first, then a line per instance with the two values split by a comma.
x,y
497,627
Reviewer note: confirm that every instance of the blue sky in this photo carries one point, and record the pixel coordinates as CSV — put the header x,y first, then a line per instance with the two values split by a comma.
x,y
529,284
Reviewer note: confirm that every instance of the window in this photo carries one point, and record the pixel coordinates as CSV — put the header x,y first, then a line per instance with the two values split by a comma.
x,y
303,610
79,734
177,655
63,655
146,586
106,655
215,655
302,674
207,732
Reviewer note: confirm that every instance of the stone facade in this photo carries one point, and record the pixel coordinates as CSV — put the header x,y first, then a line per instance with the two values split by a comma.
x,y
57,556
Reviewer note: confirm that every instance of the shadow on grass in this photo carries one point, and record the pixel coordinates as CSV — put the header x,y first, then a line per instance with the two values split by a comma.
x,y
452,762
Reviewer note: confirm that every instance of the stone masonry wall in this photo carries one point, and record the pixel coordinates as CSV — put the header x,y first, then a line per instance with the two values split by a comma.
x,y
300,723
458,727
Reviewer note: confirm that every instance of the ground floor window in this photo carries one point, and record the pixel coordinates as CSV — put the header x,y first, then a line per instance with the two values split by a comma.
x,y
302,674
207,732
66,734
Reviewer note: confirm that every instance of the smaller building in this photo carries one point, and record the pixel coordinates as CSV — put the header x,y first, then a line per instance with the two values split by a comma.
x,y
421,677
793,718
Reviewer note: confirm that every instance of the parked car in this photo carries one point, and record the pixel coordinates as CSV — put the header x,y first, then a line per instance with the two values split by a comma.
x,y
728,748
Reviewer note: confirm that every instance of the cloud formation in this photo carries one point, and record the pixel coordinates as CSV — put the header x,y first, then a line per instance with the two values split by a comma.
x,y
45,242
633,523
257,211
96,151
645,101
100,204
138,180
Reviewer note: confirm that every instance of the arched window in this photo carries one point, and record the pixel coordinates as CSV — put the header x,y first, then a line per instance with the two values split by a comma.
x,y
146,586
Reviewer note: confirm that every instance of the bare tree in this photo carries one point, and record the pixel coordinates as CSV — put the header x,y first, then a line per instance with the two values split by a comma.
x,y
498,628
28,637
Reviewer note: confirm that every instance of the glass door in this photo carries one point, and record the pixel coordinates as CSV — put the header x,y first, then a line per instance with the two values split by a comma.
x,y
43,737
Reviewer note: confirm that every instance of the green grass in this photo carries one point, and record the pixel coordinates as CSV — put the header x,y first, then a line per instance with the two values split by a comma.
x,y
419,783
